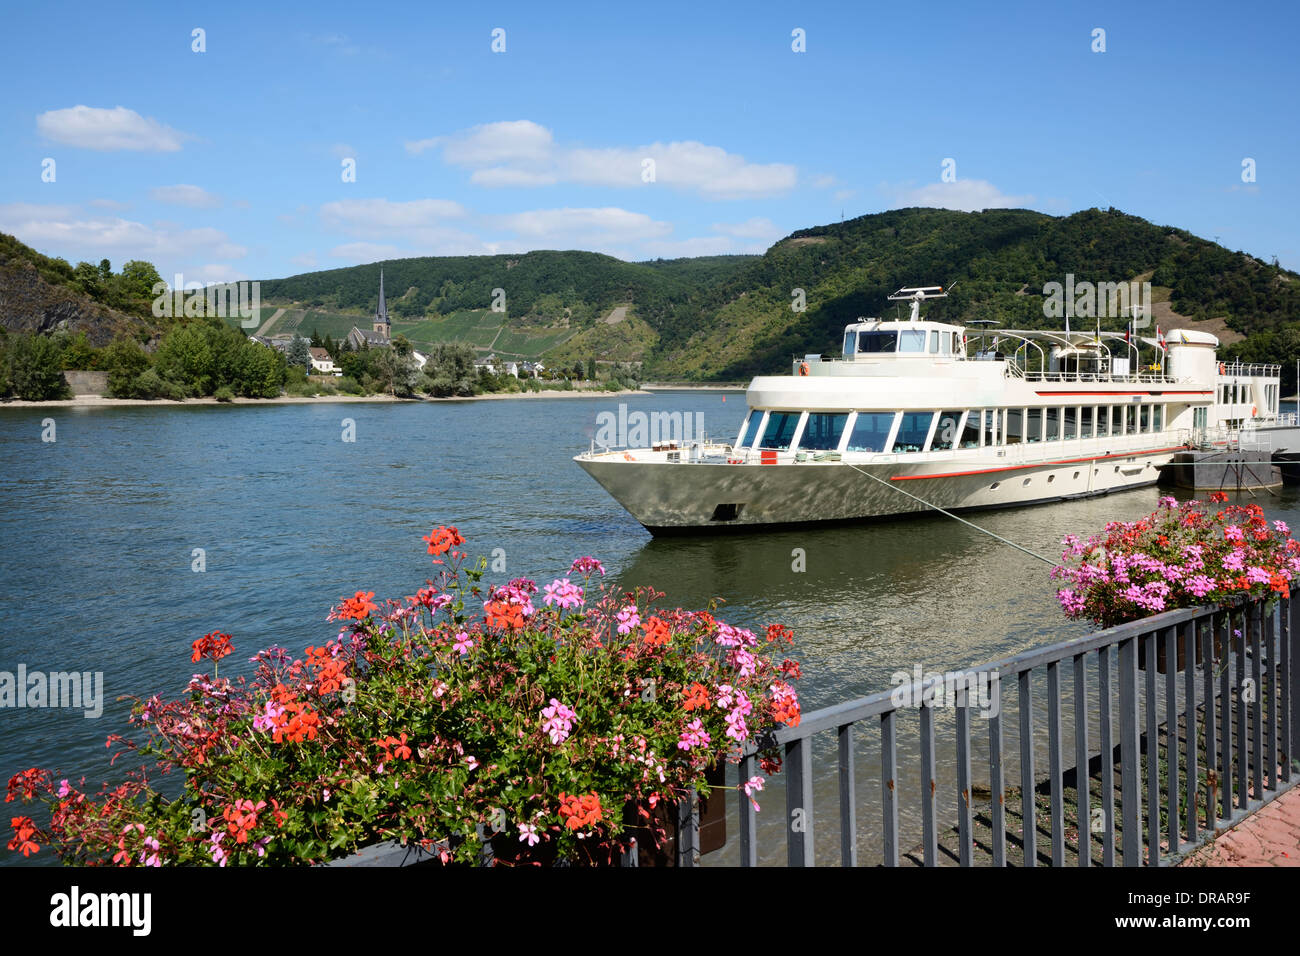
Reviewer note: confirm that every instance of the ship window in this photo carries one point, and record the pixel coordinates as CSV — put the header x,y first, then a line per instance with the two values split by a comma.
x,y
1052,415
946,339
1012,427
870,431
744,428
913,432
849,342
911,340
970,435
1158,418
934,342
823,431
1034,425
877,341
1129,418
1068,422
1086,421
945,433
780,429
1145,418
1103,420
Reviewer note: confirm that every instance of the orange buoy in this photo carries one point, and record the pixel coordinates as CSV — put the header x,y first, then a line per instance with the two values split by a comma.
x,y
803,368
1253,411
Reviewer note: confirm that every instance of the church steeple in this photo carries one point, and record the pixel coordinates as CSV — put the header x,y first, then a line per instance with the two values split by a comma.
x,y
382,322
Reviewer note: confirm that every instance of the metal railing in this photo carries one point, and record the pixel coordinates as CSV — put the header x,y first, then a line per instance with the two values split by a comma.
x,y
1225,680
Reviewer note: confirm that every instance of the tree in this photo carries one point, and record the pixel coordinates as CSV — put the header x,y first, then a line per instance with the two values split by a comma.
x,y
299,353
125,361
316,339
35,369
591,369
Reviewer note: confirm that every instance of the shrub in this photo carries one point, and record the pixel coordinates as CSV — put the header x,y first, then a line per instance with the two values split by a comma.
x,y
1177,556
459,712
349,385
224,394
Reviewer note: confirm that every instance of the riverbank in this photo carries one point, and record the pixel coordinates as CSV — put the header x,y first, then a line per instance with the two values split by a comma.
x,y
96,401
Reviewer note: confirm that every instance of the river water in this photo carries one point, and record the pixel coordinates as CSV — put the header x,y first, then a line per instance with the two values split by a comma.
x,y
100,529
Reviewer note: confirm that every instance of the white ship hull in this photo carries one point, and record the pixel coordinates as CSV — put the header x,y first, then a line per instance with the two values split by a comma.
x,y
909,419
680,497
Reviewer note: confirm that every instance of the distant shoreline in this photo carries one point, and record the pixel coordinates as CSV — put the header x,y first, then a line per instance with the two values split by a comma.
x,y
95,401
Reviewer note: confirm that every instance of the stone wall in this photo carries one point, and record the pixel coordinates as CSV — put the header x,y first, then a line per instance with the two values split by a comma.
x,y
87,383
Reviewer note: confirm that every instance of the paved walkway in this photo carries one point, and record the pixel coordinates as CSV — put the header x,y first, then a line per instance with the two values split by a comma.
x,y
1270,837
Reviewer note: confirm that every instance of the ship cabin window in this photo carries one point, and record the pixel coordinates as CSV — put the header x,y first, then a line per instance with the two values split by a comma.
x,y
823,431
934,343
1103,420
1034,425
911,340
992,434
1129,419
870,431
744,430
913,432
1086,421
1158,418
945,433
1012,429
1069,423
1144,418
850,342
970,434
877,341
780,429
1052,419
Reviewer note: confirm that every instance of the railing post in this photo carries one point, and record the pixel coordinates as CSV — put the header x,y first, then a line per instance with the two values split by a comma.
x,y
889,786
848,799
798,801
1028,810
1130,797
688,830
1290,684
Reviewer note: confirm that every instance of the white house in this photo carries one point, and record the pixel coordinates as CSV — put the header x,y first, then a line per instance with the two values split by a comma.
x,y
322,363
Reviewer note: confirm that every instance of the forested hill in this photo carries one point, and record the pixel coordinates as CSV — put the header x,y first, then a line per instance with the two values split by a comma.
x,y
723,317
581,286
730,317
999,261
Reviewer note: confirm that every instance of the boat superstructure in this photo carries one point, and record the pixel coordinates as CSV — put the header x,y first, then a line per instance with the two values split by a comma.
x,y
914,413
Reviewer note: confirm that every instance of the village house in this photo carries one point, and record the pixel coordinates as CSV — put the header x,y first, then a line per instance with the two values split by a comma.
x,y
321,362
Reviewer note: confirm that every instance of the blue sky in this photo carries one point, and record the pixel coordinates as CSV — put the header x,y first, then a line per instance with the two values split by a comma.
x,y
227,164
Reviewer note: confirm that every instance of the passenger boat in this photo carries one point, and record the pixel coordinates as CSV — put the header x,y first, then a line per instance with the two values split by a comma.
x,y
915,414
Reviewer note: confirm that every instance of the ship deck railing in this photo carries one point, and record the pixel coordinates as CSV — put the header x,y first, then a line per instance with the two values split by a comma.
x,y
1131,746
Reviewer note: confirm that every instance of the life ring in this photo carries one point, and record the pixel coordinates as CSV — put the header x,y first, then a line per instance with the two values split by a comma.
x,y
1253,411
803,368
1222,369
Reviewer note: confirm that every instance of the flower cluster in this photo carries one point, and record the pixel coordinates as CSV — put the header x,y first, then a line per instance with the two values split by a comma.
x,y
1178,556
460,714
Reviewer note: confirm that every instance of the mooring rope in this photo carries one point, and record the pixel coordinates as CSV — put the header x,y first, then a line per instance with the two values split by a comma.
x,y
930,504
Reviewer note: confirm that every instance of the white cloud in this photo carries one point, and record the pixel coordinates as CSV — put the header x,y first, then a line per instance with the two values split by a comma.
x,y
524,153
757,227
966,195
112,204
182,194
361,252
103,129
215,272
64,231
381,218
517,141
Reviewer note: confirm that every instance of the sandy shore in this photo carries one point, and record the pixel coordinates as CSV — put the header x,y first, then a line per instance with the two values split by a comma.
x,y
96,401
